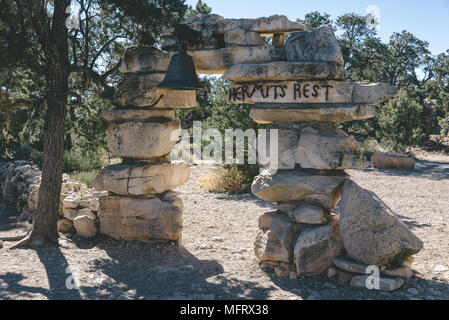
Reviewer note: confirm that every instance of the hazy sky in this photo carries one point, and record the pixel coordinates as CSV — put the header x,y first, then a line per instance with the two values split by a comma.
x,y
428,20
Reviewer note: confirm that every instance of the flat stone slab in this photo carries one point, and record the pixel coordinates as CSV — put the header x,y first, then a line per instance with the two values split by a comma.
x,y
282,70
385,284
310,92
149,220
140,91
142,140
350,266
319,186
138,114
138,180
311,112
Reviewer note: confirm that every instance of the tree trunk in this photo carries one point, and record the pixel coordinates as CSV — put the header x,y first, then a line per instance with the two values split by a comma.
x,y
56,51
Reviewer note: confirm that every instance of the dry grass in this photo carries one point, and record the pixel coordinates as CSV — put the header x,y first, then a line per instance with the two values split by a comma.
x,y
221,180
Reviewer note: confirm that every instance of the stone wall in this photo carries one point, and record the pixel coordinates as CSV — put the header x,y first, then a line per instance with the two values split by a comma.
x,y
19,185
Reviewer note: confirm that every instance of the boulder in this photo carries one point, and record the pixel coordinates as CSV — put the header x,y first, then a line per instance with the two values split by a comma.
x,y
323,146
308,214
142,140
322,187
272,70
316,249
311,112
382,160
137,180
140,91
318,44
129,114
149,220
371,232
385,284
274,239
84,226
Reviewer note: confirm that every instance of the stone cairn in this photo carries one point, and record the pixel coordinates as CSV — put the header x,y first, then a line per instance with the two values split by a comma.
x,y
296,83
142,131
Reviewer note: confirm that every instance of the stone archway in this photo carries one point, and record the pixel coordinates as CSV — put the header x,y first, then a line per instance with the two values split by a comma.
x,y
298,86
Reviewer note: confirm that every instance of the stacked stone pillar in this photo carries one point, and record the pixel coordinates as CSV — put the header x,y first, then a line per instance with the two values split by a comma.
x,y
303,98
140,205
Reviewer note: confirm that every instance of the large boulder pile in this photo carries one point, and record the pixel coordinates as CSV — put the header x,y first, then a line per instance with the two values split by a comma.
x,y
20,182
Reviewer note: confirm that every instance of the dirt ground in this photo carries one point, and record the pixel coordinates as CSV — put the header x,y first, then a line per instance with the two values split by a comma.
x,y
217,260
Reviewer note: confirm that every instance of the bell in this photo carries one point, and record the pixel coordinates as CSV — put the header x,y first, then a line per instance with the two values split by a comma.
x,y
181,74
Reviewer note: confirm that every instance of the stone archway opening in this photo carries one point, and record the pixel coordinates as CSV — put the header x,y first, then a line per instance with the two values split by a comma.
x,y
298,86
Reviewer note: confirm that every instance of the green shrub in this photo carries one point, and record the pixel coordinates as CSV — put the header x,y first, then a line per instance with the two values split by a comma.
x,y
80,162
230,179
401,122
86,177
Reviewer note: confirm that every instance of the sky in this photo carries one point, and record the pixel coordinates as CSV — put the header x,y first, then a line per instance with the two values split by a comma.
x,y
428,20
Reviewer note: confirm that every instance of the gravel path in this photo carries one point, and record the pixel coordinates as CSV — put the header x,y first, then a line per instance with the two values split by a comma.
x,y
217,261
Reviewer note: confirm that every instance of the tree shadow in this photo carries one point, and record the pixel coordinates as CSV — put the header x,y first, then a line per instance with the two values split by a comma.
x,y
430,170
144,271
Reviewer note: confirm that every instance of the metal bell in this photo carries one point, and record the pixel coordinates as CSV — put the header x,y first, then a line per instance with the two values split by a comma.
x,y
181,74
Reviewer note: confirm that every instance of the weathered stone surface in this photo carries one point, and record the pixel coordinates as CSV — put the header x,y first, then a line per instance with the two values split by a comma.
x,y
142,140
274,239
371,232
145,59
64,225
315,112
241,37
350,266
323,187
316,248
334,272
85,226
403,272
137,180
308,214
140,91
382,160
318,44
138,114
219,60
140,219
385,284
309,92
312,146
323,146
283,71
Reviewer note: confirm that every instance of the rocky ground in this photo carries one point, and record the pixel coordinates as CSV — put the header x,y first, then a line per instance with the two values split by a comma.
x,y
217,261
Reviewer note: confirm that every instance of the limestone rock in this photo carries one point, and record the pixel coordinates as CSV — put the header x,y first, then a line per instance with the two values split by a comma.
x,y
85,226
274,239
403,272
316,249
145,59
371,232
382,160
350,266
283,71
385,284
308,214
323,146
148,220
138,114
137,180
323,187
286,144
318,44
241,37
87,212
140,91
142,140
65,226
314,112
